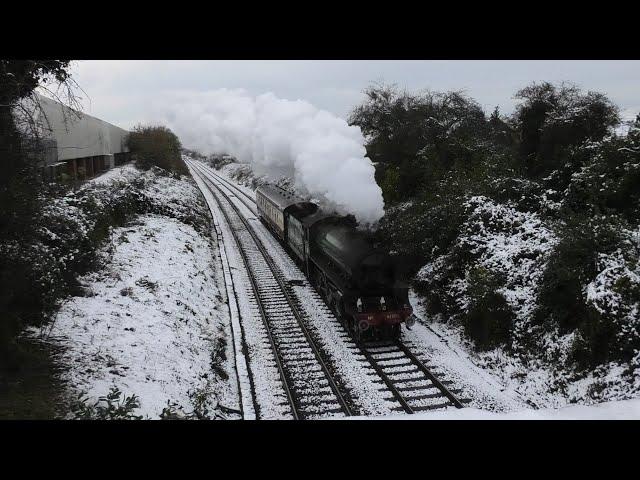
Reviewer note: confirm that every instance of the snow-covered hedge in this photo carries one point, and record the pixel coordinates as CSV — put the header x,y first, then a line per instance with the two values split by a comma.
x,y
512,244
72,226
495,265
545,296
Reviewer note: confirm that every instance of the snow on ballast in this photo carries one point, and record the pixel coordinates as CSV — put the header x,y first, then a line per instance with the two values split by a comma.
x,y
309,386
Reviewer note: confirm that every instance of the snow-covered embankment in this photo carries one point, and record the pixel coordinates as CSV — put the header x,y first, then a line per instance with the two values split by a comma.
x,y
152,322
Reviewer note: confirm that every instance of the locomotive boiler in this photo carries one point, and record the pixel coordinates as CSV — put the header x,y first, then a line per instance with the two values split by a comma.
x,y
356,278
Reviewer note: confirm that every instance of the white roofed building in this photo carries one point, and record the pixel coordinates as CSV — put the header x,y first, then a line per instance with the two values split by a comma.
x,y
78,146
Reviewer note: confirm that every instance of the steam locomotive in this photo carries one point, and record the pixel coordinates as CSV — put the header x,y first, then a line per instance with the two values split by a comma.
x,y
356,279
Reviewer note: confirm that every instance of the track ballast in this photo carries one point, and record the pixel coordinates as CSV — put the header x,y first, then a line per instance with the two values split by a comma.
x,y
311,390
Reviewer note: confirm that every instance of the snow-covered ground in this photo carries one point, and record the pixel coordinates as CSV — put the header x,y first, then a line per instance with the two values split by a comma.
x,y
617,410
515,247
122,173
482,388
153,322
527,381
518,386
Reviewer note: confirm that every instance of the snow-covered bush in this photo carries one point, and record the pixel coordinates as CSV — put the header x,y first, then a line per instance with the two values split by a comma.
x,y
521,231
72,226
156,146
217,161
244,174
590,288
513,244
488,318
420,231
489,279
615,294
607,180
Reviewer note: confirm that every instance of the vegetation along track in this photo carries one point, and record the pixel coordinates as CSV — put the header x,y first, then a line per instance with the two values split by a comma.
x,y
410,383
311,390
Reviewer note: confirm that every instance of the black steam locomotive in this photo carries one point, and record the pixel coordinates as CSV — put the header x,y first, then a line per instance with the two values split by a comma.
x,y
356,279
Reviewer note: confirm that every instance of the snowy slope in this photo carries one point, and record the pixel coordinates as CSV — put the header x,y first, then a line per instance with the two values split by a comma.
x,y
153,322
617,410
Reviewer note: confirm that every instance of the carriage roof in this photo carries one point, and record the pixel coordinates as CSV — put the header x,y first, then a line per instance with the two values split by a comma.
x,y
279,196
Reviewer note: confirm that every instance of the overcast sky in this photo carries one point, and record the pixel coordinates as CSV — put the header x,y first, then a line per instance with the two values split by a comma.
x,y
123,92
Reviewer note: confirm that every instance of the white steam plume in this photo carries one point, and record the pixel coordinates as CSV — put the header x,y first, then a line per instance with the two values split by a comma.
x,y
323,154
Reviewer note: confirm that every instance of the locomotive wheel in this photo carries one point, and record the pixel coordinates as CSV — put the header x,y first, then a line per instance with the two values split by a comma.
x,y
351,326
339,309
357,332
317,282
324,288
395,332
316,279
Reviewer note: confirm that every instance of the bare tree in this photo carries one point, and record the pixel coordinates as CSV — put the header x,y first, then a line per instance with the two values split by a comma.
x,y
23,83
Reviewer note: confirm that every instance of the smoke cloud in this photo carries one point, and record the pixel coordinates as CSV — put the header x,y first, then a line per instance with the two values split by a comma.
x,y
321,152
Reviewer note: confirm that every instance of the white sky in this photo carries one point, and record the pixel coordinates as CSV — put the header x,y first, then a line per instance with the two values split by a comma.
x,y
123,92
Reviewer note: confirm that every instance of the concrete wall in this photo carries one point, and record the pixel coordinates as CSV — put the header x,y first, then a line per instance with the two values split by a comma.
x,y
81,137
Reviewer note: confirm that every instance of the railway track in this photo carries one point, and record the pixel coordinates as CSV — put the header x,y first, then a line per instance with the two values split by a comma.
x,y
311,390
410,383
243,197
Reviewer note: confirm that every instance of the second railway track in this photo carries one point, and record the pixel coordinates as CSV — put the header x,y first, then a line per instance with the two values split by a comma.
x,y
309,385
406,381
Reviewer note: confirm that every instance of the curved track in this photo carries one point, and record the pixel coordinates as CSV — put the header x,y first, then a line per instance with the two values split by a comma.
x,y
410,384
310,388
